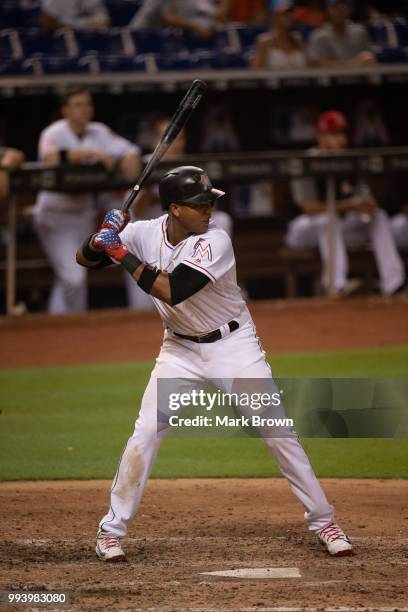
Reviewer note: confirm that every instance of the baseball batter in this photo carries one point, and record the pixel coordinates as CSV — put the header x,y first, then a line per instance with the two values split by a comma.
x,y
188,267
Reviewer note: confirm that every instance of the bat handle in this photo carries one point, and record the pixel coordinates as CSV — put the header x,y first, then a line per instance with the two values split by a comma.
x,y
131,198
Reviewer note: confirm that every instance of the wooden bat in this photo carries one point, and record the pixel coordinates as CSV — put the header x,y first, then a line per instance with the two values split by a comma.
x,y
178,121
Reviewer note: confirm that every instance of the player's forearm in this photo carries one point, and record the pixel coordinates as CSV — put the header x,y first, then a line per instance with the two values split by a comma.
x,y
89,256
157,286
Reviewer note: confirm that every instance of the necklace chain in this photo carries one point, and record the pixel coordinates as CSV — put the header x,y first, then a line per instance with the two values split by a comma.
x,y
175,254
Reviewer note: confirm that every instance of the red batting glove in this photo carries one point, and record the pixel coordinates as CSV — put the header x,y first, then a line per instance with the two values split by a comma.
x,y
115,220
109,241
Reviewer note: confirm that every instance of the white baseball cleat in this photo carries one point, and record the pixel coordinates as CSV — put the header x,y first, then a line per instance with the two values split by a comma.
x,y
335,540
108,548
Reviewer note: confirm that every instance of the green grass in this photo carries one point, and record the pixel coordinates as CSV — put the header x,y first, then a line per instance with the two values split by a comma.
x,y
73,422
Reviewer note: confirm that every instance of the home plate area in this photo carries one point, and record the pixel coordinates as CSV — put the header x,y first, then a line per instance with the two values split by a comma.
x,y
208,544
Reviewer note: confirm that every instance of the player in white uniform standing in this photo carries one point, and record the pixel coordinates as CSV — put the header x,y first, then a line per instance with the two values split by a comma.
x,y
188,267
63,220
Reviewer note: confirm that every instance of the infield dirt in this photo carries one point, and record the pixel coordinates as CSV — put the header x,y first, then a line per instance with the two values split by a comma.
x,y
186,527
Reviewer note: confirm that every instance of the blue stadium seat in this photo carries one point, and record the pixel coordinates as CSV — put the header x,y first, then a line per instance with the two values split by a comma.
x,y
64,65
8,48
248,34
181,61
401,27
106,43
194,43
10,68
303,31
378,34
121,63
10,14
148,41
230,60
390,55
33,41
122,11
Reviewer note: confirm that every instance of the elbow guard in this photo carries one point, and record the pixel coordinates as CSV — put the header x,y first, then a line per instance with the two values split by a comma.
x,y
185,282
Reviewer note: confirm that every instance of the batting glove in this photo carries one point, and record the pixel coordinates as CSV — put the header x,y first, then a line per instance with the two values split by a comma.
x,y
109,241
115,220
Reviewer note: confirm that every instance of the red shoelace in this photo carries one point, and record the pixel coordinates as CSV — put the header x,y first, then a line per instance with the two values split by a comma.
x,y
333,533
111,541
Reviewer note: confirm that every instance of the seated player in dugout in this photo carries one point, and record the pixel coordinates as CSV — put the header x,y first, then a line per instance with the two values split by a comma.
x,y
188,267
358,220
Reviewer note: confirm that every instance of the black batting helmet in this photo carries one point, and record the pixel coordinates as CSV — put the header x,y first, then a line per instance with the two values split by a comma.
x,y
187,185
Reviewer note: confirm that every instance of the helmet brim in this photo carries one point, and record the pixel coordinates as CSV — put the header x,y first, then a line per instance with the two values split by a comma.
x,y
205,197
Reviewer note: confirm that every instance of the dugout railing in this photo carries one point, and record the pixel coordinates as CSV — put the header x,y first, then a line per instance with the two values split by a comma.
x,y
259,250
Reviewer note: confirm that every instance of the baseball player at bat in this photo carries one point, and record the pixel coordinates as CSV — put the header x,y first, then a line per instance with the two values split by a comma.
x,y
187,265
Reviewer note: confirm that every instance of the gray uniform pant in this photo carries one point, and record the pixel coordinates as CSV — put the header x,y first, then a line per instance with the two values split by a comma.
x,y
61,234
354,230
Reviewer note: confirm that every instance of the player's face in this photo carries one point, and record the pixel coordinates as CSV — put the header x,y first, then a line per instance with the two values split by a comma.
x,y
79,109
195,218
333,142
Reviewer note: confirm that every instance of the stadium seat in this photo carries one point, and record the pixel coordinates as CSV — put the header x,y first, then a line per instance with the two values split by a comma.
x,y
105,43
64,65
10,46
10,14
147,40
194,43
390,55
230,60
248,34
303,31
401,27
379,34
34,41
122,11
180,61
121,63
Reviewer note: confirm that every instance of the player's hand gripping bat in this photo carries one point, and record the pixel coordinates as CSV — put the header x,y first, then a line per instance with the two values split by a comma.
x,y
178,121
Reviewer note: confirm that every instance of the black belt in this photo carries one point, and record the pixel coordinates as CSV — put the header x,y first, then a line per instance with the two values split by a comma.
x,y
211,337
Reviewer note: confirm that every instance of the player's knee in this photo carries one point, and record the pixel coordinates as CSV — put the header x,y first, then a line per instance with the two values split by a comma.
x,y
73,279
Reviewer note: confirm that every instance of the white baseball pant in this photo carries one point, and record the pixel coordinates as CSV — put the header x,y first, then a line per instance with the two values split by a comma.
x,y
235,356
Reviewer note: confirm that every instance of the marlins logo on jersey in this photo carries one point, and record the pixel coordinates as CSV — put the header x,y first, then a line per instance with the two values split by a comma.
x,y
201,251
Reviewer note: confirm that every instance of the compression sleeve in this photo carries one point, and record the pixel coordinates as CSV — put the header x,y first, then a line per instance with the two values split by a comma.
x,y
185,282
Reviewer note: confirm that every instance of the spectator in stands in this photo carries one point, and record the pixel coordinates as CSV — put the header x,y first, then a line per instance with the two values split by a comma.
x,y
340,40
399,225
251,12
279,48
195,16
10,159
310,13
63,220
80,15
358,219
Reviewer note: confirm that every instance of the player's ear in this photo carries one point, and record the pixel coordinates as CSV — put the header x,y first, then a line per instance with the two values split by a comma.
x,y
174,209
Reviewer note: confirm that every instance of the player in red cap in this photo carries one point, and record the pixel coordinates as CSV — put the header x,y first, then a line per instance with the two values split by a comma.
x,y
359,220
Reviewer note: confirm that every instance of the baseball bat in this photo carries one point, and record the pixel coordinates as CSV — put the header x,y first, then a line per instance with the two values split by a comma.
x,y
178,121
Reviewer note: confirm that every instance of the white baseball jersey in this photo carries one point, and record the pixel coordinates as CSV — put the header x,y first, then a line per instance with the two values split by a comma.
x,y
59,136
210,253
